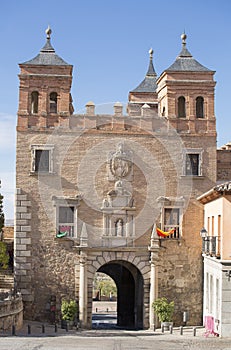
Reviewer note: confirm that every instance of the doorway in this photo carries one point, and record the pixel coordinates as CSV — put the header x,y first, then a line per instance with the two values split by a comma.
x,y
129,283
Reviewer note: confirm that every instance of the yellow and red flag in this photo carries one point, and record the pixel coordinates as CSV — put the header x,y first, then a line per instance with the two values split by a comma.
x,y
164,233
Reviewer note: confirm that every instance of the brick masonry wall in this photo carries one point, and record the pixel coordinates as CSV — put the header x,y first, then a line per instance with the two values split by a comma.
x,y
223,165
47,266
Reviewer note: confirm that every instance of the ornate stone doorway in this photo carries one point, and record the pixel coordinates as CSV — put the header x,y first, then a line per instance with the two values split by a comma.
x,y
129,282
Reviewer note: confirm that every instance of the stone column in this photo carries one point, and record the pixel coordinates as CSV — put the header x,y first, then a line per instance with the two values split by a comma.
x,y
105,228
83,290
154,248
153,287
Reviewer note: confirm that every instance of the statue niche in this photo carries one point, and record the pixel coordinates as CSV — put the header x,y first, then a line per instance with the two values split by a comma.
x,y
118,217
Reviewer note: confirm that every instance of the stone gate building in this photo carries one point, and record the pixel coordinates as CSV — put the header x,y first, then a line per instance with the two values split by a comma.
x,y
92,189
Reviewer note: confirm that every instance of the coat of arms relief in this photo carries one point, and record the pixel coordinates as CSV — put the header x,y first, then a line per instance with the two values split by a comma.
x,y
118,207
120,164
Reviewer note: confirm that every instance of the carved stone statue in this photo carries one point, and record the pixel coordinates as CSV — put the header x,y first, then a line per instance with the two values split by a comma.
x,y
119,227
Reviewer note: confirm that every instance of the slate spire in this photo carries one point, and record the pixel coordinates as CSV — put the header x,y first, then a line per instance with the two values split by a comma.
x,y
185,61
149,82
47,55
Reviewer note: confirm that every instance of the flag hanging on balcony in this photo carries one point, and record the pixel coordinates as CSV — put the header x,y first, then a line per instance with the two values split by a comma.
x,y
164,233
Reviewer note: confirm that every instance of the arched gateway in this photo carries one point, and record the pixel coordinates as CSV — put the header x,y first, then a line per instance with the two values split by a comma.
x,y
131,271
129,282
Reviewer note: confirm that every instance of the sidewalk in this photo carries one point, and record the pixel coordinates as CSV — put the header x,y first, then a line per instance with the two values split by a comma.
x,y
38,329
109,339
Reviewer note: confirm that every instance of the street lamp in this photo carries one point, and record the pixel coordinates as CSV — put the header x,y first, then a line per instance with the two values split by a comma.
x,y
203,233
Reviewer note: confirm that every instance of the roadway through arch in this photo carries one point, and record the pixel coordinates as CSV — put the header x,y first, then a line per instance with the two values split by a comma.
x,y
129,282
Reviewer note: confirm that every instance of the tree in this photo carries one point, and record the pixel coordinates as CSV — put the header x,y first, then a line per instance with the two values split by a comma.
x,y
105,285
4,256
2,218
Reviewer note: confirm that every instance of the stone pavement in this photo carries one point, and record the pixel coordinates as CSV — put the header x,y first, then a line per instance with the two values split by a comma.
x,y
108,339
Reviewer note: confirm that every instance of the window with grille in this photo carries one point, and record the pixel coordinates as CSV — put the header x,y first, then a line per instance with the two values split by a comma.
x,y
172,221
66,221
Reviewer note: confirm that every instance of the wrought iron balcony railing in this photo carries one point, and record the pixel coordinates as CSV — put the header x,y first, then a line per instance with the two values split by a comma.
x,y
210,246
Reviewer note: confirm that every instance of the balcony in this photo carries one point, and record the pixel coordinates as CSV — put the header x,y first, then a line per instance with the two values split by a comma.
x,y
211,246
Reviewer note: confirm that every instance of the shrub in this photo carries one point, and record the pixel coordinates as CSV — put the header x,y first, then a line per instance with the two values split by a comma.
x,y
69,310
163,309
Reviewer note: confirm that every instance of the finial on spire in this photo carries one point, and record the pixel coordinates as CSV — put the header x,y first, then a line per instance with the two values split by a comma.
x,y
48,32
183,38
151,53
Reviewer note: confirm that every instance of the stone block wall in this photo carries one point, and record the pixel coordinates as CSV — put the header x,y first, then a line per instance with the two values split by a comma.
x,y
11,313
22,245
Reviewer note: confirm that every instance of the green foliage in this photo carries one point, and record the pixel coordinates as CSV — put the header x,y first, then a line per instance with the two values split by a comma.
x,y
4,256
69,310
163,309
2,219
105,285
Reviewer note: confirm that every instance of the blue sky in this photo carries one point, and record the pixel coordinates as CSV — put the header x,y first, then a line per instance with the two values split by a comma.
x,y
107,41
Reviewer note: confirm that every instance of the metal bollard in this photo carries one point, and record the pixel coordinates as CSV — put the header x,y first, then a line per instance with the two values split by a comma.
x,y
13,329
171,329
162,328
28,329
194,331
43,328
154,327
181,330
56,328
67,327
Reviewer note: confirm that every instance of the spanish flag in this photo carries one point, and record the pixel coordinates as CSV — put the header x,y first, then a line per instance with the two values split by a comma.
x,y
163,233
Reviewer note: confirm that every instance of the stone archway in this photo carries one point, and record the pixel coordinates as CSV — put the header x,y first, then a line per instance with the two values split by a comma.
x,y
129,282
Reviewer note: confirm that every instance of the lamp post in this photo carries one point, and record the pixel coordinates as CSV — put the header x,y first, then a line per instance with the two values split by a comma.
x,y
204,236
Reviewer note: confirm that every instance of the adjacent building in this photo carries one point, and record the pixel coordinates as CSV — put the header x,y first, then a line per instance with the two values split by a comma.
x,y
217,259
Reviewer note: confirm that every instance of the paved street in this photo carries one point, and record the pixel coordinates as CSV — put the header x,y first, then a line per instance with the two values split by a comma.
x,y
112,339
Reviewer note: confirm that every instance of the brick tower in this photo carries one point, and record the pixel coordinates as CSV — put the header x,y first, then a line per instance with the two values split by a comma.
x,y
44,93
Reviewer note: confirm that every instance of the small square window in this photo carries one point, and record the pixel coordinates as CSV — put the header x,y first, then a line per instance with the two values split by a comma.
x,y
192,164
66,214
42,159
